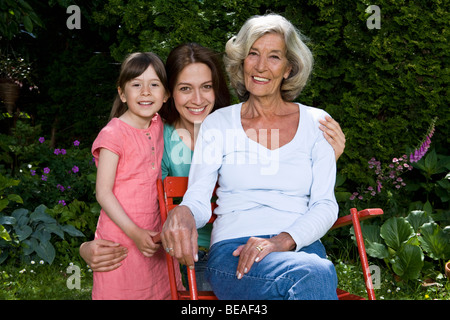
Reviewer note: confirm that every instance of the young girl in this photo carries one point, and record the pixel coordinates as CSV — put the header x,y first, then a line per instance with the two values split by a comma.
x,y
128,154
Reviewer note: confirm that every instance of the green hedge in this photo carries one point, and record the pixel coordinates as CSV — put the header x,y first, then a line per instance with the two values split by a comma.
x,y
384,86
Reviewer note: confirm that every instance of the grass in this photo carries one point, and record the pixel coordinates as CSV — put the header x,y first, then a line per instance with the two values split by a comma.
x,y
50,282
44,282
350,278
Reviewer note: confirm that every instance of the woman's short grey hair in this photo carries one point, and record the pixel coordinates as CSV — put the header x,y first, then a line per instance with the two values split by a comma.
x,y
298,54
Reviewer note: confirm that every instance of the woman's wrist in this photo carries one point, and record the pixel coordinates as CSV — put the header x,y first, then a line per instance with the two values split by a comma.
x,y
285,241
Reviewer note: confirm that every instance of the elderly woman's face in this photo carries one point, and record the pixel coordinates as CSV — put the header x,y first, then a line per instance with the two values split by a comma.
x,y
266,65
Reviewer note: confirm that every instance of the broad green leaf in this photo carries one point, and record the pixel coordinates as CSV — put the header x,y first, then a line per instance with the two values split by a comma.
x,y
21,216
372,241
14,197
395,231
377,250
42,235
46,251
3,204
417,218
39,214
56,229
435,241
409,262
30,246
23,232
4,234
72,231
28,23
8,220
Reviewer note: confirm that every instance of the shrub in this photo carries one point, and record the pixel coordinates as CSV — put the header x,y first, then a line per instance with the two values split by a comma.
x,y
30,235
405,243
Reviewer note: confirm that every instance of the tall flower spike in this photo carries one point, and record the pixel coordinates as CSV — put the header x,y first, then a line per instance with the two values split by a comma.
x,y
419,152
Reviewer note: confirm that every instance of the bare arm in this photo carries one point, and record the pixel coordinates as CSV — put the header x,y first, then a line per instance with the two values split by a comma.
x,y
106,172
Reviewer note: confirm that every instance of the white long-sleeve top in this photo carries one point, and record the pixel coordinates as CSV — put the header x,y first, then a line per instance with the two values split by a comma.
x,y
261,191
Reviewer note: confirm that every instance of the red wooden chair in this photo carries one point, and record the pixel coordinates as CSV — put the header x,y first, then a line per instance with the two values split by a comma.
x,y
175,187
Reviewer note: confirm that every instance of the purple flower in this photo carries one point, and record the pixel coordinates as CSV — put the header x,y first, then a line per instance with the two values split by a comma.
x,y
33,172
76,143
57,151
41,139
63,151
44,178
422,150
75,169
62,202
46,170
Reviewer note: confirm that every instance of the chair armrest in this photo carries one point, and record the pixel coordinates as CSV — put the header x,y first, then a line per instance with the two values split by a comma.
x,y
362,215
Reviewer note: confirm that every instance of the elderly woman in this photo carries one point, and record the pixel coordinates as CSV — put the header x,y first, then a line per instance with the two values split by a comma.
x,y
275,171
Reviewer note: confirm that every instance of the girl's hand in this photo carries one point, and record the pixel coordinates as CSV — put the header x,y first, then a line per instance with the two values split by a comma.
x,y
257,248
333,133
143,240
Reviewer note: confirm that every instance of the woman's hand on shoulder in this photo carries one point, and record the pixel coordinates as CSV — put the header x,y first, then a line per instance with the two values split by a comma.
x,y
333,134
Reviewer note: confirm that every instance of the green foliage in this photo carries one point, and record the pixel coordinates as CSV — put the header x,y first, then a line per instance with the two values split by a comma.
x,y
15,14
404,243
32,233
384,86
49,175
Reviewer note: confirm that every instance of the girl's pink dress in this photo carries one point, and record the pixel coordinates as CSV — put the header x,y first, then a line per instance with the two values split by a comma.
x,y
140,152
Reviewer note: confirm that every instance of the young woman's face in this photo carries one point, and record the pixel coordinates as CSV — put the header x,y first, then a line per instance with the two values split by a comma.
x,y
144,95
193,93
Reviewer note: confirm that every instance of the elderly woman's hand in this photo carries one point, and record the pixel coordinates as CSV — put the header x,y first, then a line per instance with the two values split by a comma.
x,y
257,248
179,236
333,133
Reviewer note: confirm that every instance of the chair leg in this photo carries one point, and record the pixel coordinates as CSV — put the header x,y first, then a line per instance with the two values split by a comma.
x,y
362,254
172,279
192,284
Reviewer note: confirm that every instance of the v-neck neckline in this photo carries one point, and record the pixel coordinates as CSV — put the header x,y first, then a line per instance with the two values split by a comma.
x,y
285,146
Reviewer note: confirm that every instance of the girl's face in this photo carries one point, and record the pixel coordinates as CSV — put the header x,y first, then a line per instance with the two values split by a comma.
x,y
144,95
193,93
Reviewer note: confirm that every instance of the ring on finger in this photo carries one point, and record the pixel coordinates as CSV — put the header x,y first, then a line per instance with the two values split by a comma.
x,y
168,249
259,248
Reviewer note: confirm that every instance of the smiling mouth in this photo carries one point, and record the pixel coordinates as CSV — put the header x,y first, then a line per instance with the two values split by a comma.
x,y
145,103
196,110
259,79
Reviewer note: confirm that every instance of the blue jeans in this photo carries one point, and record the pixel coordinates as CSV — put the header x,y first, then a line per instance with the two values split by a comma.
x,y
303,275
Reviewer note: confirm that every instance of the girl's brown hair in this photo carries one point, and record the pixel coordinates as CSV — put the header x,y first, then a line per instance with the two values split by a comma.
x,y
133,66
177,60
